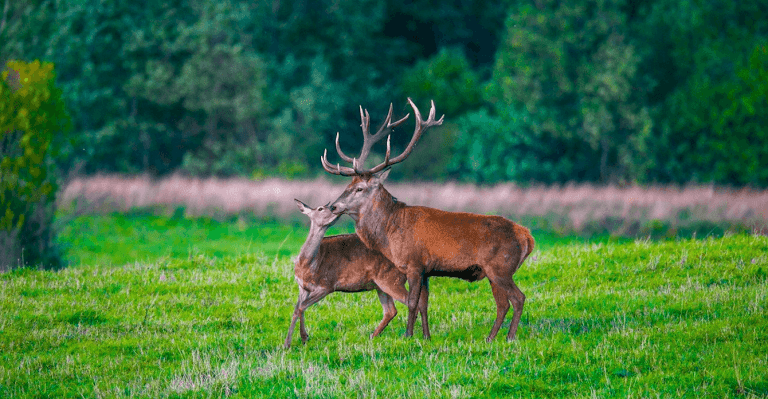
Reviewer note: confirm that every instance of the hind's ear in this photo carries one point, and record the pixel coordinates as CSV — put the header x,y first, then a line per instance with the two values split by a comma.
x,y
302,206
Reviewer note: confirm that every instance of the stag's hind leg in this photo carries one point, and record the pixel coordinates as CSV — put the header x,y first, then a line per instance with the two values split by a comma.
x,y
423,305
504,292
518,301
502,307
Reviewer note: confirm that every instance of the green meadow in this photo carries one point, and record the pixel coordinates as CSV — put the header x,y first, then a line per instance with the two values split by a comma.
x,y
157,307
118,238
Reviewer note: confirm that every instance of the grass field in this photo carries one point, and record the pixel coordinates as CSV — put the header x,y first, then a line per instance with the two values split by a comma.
x,y
119,238
200,309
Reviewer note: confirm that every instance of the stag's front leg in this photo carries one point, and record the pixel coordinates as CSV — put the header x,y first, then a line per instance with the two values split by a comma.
x,y
414,294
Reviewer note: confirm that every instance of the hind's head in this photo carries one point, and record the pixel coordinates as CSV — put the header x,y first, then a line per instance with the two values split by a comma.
x,y
320,216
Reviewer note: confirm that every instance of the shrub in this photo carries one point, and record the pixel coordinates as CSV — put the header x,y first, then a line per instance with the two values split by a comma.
x,y
31,114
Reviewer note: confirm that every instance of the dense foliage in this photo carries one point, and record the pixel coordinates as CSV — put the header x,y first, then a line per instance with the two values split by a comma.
x,y
570,69
546,91
31,116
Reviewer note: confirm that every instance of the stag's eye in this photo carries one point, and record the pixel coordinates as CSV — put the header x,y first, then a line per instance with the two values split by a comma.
x,y
320,208
359,189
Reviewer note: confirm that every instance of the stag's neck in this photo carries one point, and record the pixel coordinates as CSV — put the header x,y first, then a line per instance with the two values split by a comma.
x,y
376,218
308,253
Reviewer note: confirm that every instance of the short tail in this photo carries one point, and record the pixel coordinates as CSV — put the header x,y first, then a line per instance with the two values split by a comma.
x,y
528,248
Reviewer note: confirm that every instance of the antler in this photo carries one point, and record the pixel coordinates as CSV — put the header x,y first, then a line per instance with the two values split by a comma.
x,y
368,141
357,168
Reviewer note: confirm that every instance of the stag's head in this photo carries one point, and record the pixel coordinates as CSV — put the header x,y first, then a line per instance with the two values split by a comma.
x,y
358,195
367,182
320,216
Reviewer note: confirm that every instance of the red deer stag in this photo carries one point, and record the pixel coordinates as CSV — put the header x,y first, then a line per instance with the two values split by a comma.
x,y
341,263
425,242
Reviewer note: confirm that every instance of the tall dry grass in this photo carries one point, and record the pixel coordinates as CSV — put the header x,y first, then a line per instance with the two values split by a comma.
x,y
570,208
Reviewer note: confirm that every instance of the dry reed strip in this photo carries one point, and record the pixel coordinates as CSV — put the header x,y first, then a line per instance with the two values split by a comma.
x,y
577,205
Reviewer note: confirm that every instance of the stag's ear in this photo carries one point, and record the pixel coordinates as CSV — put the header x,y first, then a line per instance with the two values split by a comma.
x,y
302,206
379,178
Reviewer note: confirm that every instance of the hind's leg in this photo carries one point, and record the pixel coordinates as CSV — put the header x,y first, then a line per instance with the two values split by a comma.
x,y
311,299
297,314
394,285
388,306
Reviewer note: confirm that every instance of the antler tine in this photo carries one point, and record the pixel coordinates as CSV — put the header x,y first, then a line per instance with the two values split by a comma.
x,y
337,170
432,114
388,125
369,140
341,153
365,121
358,163
421,127
386,156
327,166
376,137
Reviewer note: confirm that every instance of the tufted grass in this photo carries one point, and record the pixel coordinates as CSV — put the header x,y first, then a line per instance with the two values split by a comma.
x,y
680,318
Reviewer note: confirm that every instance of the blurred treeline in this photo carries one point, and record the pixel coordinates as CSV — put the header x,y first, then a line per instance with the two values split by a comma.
x,y
610,91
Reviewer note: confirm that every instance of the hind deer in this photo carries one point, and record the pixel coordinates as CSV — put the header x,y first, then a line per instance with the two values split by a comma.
x,y
425,242
341,263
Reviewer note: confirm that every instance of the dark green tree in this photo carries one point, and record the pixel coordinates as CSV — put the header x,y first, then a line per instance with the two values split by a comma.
x,y
503,146
571,68
707,58
448,79
233,87
210,84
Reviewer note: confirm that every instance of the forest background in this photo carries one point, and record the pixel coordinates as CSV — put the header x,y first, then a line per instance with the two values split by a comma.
x,y
150,158
608,91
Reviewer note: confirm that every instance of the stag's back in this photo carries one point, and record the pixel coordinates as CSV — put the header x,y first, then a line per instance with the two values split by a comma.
x,y
457,240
